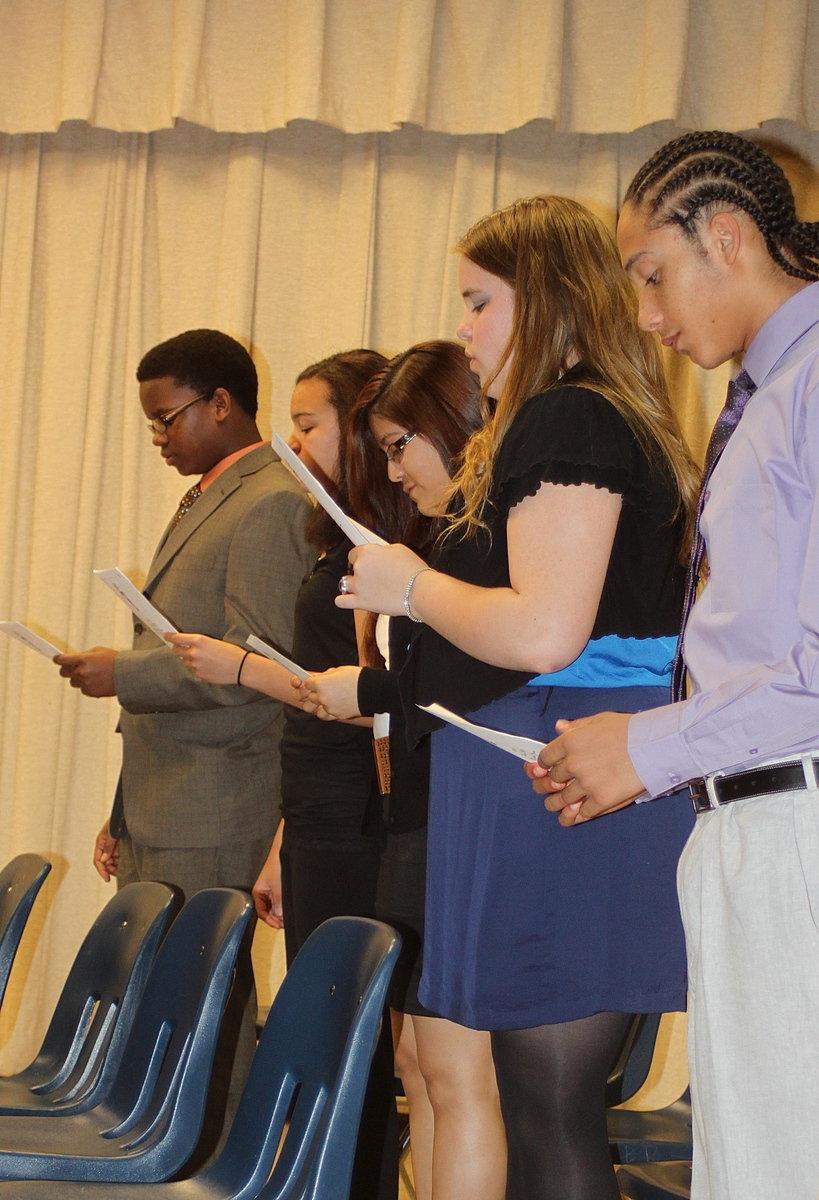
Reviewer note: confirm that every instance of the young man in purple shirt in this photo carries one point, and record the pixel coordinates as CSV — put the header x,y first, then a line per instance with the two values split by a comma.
x,y
722,267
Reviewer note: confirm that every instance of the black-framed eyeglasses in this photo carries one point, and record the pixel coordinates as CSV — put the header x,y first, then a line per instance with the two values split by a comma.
x,y
395,450
161,423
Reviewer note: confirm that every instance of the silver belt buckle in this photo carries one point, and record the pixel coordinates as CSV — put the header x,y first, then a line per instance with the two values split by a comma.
x,y
710,790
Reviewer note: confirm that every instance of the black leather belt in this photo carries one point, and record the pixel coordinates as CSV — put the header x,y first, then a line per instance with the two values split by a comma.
x,y
790,776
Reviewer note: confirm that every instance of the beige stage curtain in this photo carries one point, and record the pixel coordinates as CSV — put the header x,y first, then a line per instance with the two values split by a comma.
x,y
135,203
456,66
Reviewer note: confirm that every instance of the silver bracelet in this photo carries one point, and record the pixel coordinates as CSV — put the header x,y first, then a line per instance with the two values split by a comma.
x,y
408,594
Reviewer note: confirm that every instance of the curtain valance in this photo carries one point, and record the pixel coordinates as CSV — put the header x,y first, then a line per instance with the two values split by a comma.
x,y
452,66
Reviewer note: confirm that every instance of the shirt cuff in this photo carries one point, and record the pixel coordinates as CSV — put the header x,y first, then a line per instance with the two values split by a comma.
x,y
377,691
658,750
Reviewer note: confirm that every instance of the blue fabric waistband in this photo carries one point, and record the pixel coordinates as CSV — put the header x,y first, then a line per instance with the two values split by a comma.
x,y
613,661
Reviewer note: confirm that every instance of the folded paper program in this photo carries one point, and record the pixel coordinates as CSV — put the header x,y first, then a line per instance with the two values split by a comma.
x,y
521,747
358,534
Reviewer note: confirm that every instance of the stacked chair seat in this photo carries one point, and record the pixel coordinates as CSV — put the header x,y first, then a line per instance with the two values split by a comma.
x,y
20,882
147,1126
294,1133
82,1048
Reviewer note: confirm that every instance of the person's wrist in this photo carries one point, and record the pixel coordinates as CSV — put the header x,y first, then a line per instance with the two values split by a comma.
x,y
242,662
408,590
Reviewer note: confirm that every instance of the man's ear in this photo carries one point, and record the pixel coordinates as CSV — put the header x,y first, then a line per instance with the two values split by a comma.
x,y
222,403
725,236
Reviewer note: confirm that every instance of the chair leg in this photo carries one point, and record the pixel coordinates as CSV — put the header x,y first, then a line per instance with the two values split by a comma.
x,y
406,1178
404,1168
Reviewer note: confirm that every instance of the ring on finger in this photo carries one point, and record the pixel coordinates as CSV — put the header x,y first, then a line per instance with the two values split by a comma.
x,y
344,585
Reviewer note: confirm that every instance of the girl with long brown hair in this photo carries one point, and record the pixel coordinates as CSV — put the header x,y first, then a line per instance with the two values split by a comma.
x,y
555,592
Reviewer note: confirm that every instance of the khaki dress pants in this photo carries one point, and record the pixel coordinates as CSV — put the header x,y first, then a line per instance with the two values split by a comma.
x,y
749,893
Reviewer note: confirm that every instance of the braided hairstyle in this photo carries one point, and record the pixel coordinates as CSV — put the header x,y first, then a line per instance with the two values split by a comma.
x,y
694,172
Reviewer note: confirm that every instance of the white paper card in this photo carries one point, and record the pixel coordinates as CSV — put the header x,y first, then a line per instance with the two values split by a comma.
x,y
358,534
22,633
261,647
522,747
139,605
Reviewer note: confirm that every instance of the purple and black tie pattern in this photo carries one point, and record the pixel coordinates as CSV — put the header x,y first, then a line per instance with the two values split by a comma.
x,y
740,391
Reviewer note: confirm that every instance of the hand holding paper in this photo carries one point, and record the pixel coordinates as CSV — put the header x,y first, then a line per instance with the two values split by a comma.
x,y
216,661
332,693
91,671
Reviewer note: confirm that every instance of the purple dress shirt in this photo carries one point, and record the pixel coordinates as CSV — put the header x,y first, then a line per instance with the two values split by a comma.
x,y
752,640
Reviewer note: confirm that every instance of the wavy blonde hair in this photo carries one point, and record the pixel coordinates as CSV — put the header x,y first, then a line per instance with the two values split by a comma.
x,y
574,307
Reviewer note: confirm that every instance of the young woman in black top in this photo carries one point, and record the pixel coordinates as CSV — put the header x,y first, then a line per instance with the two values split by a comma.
x,y
555,592
419,413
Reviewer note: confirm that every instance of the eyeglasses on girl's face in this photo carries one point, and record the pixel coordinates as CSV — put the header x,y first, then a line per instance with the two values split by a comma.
x,y
395,451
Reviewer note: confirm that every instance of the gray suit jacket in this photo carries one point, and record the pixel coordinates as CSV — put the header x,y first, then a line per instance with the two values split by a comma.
x,y
200,763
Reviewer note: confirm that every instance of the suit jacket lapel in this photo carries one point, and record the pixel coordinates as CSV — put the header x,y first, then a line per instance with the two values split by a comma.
x,y
174,537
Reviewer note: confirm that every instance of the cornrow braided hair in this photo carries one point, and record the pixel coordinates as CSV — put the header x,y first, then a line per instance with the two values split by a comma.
x,y
698,170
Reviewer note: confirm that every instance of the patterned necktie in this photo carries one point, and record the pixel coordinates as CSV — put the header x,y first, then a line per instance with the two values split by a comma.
x,y
187,501
740,391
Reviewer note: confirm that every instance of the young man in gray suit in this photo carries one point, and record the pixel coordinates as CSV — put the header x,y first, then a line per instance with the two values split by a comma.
x,y
197,801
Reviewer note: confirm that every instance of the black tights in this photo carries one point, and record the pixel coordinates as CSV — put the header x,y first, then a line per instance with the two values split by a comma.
x,y
552,1083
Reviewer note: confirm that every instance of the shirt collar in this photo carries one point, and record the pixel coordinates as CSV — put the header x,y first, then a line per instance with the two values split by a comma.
x,y
213,474
783,328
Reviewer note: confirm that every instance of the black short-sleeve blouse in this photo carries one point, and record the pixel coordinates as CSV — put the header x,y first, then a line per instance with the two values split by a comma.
x,y
569,435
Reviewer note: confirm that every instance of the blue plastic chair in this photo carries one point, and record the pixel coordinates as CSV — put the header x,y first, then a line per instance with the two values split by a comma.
x,y
655,1181
148,1126
656,1135
20,881
81,1051
633,1064
301,1105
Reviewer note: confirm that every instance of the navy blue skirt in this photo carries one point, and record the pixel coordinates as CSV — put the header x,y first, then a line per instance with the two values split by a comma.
x,y
527,922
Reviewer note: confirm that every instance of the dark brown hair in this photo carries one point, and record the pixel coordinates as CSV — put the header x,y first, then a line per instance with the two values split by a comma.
x,y
429,390
345,374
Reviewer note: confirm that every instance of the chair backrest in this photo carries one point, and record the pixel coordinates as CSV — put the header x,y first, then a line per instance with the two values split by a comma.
x,y
20,881
156,1103
634,1062
81,1051
303,1096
